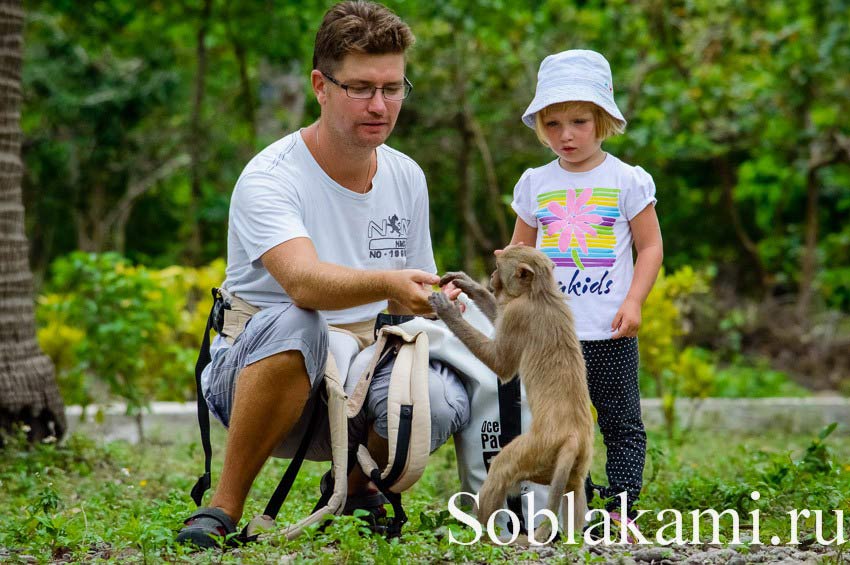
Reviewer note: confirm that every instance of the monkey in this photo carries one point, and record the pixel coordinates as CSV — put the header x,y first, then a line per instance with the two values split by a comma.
x,y
535,338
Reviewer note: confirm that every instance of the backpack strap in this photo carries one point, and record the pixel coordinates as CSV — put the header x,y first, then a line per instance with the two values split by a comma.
x,y
334,501
409,431
213,321
408,418
266,520
510,419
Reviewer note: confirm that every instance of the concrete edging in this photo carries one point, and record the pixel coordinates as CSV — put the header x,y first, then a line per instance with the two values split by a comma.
x,y
788,415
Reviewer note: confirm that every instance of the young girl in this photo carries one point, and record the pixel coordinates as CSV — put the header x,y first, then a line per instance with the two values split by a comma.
x,y
584,210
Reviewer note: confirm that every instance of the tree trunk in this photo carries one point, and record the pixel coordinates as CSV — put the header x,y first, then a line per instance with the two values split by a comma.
x,y
471,232
248,105
28,391
728,181
464,197
822,153
117,218
474,128
196,139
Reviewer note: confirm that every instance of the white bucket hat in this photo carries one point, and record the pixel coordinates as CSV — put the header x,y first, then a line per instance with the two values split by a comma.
x,y
571,76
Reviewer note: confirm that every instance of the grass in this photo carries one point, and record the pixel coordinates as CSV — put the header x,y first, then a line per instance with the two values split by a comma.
x,y
116,502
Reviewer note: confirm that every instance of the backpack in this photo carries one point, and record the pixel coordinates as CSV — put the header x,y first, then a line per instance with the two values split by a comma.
x,y
409,426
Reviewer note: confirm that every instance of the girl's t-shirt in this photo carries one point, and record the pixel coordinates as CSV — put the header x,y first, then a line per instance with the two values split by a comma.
x,y
582,222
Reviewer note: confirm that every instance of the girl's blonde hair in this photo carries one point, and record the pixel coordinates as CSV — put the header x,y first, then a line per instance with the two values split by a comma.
x,y
606,125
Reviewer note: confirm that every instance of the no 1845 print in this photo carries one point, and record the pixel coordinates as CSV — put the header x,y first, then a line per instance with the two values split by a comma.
x,y
388,237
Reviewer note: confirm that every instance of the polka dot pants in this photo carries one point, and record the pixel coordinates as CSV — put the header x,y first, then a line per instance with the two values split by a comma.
x,y
612,377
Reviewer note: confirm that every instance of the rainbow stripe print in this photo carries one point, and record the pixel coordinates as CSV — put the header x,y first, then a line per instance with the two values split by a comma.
x,y
579,226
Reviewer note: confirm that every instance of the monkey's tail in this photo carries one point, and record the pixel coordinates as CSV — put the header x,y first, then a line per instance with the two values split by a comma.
x,y
561,474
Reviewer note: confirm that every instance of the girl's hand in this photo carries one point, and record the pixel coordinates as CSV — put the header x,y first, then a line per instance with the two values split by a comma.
x,y
627,321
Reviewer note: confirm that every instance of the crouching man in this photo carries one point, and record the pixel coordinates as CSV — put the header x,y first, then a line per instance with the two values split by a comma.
x,y
328,226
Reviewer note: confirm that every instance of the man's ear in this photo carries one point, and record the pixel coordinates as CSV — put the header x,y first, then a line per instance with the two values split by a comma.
x,y
317,81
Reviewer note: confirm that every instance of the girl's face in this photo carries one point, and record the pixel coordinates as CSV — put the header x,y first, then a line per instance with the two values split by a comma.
x,y
571,134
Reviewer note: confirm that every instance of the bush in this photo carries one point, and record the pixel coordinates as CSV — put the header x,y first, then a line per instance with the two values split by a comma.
x,y
665,322
117,330
755,380
669,369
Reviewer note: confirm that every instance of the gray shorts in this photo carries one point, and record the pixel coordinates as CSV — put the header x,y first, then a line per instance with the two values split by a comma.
x,y
288,327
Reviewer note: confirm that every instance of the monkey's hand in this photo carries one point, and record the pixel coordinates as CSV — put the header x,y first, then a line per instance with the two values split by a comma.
x,y
482,297
445,308
462,281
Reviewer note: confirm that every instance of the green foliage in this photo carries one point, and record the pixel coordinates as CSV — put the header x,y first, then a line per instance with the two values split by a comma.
x,y
118,313
753,381
671,369
96,122
115,330
117,502
730,107
811,479
737,109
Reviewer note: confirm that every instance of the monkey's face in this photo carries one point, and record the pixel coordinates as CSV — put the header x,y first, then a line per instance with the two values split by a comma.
x,y
495,283
520,270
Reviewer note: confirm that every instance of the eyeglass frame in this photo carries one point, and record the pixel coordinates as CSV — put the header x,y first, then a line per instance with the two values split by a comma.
x,y
407,85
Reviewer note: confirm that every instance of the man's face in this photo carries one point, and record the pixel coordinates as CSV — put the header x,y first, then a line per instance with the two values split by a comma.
x,y
361,122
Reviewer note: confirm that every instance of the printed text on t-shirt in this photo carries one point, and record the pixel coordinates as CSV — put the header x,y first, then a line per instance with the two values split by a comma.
x,y
388,237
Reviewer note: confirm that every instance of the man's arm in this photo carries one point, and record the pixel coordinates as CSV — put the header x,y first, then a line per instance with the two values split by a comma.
x,y
317,285
395,308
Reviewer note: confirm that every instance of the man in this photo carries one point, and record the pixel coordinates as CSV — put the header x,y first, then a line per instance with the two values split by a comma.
x,y
327,226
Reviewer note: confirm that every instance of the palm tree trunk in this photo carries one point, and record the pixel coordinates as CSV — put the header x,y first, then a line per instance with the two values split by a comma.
x,y
28,391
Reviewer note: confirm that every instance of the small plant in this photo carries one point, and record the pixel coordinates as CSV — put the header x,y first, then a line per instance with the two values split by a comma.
x,y
674,371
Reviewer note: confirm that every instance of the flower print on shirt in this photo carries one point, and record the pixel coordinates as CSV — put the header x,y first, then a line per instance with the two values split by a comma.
x,y
575,220
578,226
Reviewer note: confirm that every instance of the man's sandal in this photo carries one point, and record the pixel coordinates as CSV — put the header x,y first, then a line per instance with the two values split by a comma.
x,y
204,526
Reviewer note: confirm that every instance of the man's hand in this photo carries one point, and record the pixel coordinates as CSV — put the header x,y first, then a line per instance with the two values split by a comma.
x,y
444,306
410,288
627,321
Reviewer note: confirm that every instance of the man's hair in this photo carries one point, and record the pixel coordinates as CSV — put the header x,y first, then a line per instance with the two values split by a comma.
x,y
606,124
358,26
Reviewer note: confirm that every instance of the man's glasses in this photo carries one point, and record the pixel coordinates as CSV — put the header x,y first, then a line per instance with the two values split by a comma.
x,y
390,91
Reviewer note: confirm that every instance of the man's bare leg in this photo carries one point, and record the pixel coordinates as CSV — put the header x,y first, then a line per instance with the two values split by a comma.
x,y
269,399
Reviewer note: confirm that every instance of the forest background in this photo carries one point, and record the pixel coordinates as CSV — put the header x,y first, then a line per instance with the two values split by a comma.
x,y
138,118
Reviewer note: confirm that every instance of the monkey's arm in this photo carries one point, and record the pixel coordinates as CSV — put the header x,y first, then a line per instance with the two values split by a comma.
x,y
482,297
479,344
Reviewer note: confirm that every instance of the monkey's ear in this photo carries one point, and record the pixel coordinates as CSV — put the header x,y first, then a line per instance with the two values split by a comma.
x,y
524,272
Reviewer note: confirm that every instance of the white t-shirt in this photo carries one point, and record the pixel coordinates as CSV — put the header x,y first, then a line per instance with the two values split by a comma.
x,y
582,222
283,194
